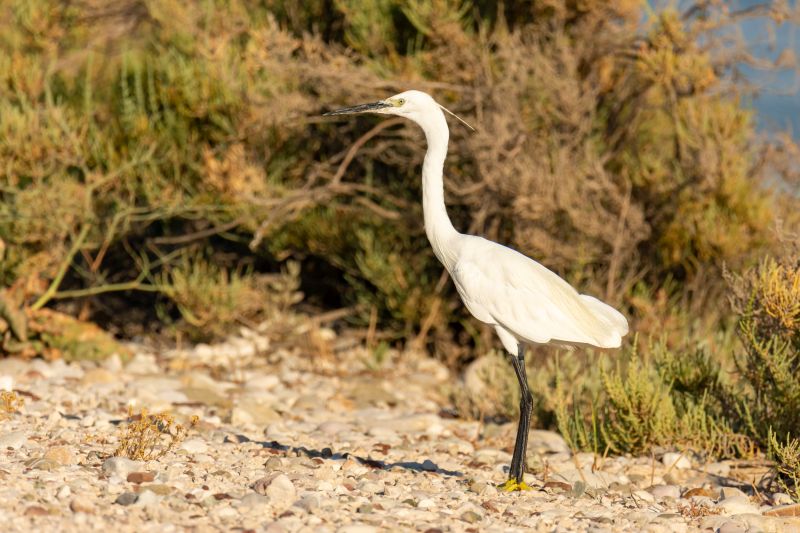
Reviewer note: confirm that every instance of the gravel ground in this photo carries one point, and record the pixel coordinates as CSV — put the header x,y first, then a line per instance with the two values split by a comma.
x,y
287,442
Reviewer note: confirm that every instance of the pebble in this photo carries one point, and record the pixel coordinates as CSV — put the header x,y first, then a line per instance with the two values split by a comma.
x,y
542,441
13,439
281,491
388,459
676,460
82,505
63,455
140,477
120,466
661,492
736,505
194,446
147,498
127,498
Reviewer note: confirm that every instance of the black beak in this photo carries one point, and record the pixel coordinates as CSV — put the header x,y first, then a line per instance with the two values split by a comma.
x,y
363,108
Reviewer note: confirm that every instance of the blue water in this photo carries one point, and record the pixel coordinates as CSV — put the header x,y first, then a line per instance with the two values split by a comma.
x,y
777,92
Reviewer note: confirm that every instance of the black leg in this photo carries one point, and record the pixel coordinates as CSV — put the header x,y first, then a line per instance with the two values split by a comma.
x,y
517,470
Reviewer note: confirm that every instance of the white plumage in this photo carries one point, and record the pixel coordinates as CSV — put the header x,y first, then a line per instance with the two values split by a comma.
x,y
525,302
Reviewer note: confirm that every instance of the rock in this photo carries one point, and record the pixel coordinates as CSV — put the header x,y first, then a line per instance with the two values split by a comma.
x,y
156,488
127,498
36,510
278,488
205,395
81,505
253,499
147,498
63,455
661,492
645,495
676,460
426,503
737,505
731,526
698,491
194,445
13,439
730,492
253,411
785,510
141,477
470,517
542,441
120,466
309,502
98,375
592,480
42,463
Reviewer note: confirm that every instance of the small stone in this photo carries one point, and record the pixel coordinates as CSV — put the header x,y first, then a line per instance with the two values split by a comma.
x,y
644,495
194,446
698,491
785,510
13,439
63,455
781,498
147,498
42,463
156,488
731,492
736,505
36,510
120,466
558,485
281,490
141,477
253,499
661,492
426,503
253,411
542,441
64,492
365,508
309,502
470,517
127,498
273,463
676,460
80,505
731,526
98,375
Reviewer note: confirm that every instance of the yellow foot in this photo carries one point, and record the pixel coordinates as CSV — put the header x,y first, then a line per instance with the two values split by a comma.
x,y
512,486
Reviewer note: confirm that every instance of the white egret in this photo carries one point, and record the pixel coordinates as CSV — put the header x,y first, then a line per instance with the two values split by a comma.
x,y
525,302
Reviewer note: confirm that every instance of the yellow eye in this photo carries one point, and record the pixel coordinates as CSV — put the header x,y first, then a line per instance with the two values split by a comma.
x,y
399,101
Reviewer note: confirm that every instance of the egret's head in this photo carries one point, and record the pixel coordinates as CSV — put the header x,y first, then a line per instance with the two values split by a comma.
x,y
405,104
414,105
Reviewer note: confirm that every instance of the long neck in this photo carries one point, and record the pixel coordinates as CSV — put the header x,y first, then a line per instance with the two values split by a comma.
x,y
438,227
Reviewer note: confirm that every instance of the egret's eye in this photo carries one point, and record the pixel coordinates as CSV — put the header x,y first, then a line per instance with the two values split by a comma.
x,y
399,101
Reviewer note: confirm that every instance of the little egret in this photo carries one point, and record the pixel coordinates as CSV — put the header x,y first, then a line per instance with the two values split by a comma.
x,y
525,302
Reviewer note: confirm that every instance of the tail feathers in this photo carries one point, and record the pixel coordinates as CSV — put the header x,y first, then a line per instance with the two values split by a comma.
x,y
616,323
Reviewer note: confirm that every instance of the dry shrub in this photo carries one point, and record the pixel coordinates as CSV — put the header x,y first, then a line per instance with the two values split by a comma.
x,y
10,403
148,437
